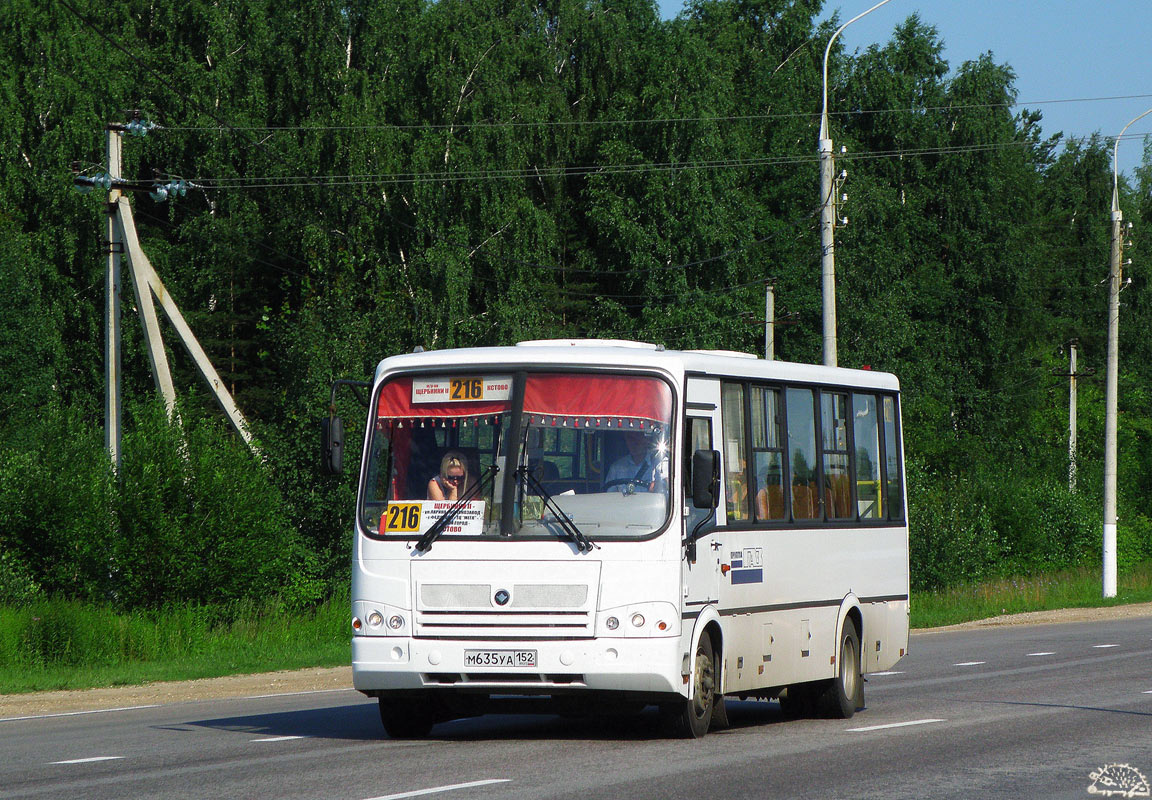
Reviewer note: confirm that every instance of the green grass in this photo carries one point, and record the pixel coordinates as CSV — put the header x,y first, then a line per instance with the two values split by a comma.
x,y
62,644
1075,588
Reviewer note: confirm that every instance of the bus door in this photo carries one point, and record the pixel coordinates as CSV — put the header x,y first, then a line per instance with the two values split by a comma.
x,y
701,578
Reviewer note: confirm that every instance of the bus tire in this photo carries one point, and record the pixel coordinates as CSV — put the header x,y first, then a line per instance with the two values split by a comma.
x,y
845,693
691,718
407,718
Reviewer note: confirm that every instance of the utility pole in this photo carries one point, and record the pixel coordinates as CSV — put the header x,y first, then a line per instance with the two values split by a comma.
x,y
828,209
1108,578
112,404
1108,555
769,322
1072,417
149,290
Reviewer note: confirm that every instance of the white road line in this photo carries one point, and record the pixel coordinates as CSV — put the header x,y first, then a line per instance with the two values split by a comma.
x,y
1042,654
890,672
1147,692
76,713
294,694
1102,646
87,760
895,725
278,738
970,663
436,789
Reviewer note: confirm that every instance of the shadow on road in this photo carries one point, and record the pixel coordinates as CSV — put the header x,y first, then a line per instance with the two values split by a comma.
x,y
361,722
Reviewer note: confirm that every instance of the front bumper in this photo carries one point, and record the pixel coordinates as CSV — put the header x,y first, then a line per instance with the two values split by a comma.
x,y
645,666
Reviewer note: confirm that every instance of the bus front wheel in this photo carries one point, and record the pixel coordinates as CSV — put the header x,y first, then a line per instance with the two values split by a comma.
x,y
691,718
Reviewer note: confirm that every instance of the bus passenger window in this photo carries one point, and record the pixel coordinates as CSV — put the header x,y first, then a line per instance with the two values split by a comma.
x,y
892,489
866,435
735,444
834,428
767,454
802,454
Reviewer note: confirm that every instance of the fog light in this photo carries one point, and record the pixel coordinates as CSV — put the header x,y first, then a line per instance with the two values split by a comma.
x,y
637,620
612,623
375,620
356,623
396,622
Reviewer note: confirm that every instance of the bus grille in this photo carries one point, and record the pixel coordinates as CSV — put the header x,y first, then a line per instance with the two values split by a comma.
x,y
533,611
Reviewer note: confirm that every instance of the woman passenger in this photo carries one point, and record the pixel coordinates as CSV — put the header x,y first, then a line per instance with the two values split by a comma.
x,y
452,482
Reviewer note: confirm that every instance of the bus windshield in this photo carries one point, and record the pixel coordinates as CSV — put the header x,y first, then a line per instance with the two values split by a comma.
x,y
592,447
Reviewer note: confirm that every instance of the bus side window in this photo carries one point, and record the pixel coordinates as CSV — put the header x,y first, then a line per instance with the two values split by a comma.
x,y
802,454
768,454
837,480
866,436
892,489
735,447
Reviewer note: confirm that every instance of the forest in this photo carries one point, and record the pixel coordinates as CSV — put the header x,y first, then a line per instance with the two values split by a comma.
x,y
367,176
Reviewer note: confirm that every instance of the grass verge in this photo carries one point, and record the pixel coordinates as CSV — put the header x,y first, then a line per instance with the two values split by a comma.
x,y
1074,588
63,644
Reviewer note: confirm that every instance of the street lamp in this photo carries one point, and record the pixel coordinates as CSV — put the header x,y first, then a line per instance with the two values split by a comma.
x,y
827,210
1114,276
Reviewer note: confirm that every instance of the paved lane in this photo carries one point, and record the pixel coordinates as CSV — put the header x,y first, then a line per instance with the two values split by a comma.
x,y
1015,712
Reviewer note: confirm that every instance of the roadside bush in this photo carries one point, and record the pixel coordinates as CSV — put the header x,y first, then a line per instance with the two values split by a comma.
x,y
1133,541
199,519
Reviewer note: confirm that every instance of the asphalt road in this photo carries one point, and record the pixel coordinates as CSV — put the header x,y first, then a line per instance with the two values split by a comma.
x,y
1021,712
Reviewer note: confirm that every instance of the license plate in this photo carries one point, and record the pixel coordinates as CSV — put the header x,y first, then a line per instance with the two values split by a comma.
x,y
500,658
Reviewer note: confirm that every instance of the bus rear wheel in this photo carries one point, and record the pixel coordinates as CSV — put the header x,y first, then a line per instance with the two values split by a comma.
x,y
407,717
844,694
691,718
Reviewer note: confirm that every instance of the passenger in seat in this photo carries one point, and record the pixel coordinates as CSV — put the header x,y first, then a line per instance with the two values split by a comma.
x,y
452,482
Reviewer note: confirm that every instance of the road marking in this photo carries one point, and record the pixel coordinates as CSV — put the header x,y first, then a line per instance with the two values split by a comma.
x,y
436,789
87,760
970,663
1102,646
278,738
1147,692
895,725
875,674
293,694
76,713
1042,654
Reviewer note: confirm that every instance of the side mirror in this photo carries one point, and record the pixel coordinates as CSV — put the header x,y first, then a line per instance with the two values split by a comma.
x,y
706,478
332,445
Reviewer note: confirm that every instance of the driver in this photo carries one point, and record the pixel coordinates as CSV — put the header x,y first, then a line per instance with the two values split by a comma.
x,y
639,469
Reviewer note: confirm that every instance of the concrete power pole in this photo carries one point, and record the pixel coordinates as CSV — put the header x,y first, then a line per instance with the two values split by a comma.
x,y
769,322
828,208
1111,380
1072,418
149,290
112,405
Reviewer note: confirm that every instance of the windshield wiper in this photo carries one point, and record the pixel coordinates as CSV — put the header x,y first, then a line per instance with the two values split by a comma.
x,y
583,543
424,543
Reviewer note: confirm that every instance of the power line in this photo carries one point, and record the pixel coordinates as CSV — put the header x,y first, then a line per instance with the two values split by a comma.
x,y
458,126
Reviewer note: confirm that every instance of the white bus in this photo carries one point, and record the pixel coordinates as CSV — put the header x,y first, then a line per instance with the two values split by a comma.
x,y
612,524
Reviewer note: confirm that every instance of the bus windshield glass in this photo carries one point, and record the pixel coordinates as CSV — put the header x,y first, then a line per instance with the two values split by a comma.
x,y
592,447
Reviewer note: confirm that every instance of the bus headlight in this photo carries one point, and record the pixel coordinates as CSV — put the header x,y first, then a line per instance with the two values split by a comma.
x,y
637,620
396,622
611,623
375,619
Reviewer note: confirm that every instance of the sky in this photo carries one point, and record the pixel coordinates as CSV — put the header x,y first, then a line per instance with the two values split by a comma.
x,y
1061,50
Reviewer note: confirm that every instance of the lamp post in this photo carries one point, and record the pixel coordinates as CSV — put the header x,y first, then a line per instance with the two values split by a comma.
x,y
827,209
1111,381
